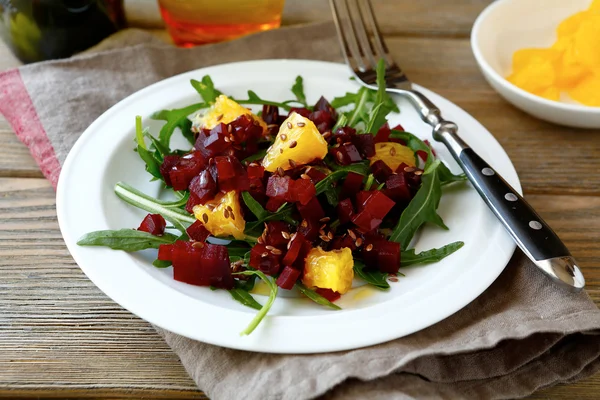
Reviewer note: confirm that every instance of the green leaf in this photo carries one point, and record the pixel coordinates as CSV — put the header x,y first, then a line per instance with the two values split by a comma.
x,y
264,309
316,297
359,168
371,276
139,132
152,162
409,257
283,214
245,298
347,99
370,181
332,196
161,263
421,209
206,89
256,156
177,118
253,98
160,150
237,249
125,239
248,284
381,108
179,218
361,110
342,121
254,206
298,90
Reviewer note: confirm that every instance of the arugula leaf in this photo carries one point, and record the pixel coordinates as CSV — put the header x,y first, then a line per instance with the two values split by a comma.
x,y
152,163
179,218
361,110
360,168
422,208
409,257
283,214
332,196
177,118
206,89
245,298
342,121
246,285
125,239
371,276
161,263
316,297
298,90
380,109
369,182
256,156
160,150
254,206
347,99
264,309
237,249
253,98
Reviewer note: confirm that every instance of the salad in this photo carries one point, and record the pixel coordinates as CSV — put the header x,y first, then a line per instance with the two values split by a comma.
x,y
299,196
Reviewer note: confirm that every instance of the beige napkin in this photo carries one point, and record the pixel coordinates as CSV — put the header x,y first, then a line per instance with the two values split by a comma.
x,y
522,334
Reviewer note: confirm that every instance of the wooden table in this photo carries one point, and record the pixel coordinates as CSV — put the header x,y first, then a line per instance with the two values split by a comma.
x,y
61,337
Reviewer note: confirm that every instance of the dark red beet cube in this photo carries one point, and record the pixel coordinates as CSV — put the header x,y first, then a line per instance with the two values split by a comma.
x,y
340,242
168,163
305,112
345,211
352,184
165,252
154,224
275,234
429,145
280,187
365,144
361,199
381,171
388,256
328,294
231,174
255,171
264,260
274,203
304,191
397,188
197,231
298,249
366,221
245,129
288,277
323,105
345,154
203,187
422,155
225,168
316,175
186,169
202,264
378,204
344,134
215,143
383,134
270,114
312,210
193,201
371,209
324,120
309,228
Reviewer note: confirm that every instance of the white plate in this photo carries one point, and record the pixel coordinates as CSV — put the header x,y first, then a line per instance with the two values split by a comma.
x,y
103,156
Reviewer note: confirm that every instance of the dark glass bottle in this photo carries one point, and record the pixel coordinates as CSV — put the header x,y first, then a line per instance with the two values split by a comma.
x,y
39,30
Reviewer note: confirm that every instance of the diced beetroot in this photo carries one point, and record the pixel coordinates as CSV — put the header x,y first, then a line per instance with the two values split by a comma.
x,y
288,277
203,188
352,184
255,171
225,169
328,294
361,199
345,154
240,182
365,144
324,120
303,191
422,155
215,143
305,112
270,114
312,210
257,190
193,201
373,209
274,235
402,167
388,256
165,168
264,260
429,145
378,204
309,228
345,211
383,134
186,169
235,176
366,221
397,188
381,171
154,224
280,187
323,105
344,134
316,175
398,128
245,129
274,203
345,241
197,231
298,249
165,252
204,265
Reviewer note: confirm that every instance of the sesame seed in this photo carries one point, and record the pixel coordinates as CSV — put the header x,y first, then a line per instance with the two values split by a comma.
x,y
205,218
418,172
325,219
198,245
283,137
324,238
263,255
392,152
276,252
293,144
352,234
301,124
358,242
304,176
270,247
369,247
289,125
408,169
285,235
330,235
220,117
292,163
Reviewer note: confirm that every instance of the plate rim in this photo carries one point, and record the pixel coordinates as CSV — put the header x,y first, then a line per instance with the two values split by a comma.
x,y
62,195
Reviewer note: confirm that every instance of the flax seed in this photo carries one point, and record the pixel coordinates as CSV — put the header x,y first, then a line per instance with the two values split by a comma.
x,y
289,125
330,235
260,240
303,224
304,176
322,231
326,135
325,219
418,172
308,169
292,163
324,238
358,242
369,247
352,234
392,152
232,216
220,117
263,255
269,247
229,128
226,213
226,139
280,151
205,218
276,252
280,171
301,124
253,164
409,169
285,235
293,144
198,245
393,279
211,207
283,137
340,157
272,126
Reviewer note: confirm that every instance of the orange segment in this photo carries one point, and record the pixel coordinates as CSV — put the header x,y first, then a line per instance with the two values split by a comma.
x,y
225,111
393,154
329,269
222,216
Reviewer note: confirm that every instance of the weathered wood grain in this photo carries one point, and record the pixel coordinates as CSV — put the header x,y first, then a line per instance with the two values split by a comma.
x,y
53,319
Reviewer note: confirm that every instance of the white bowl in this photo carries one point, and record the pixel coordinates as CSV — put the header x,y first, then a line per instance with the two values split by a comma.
x,y
509,25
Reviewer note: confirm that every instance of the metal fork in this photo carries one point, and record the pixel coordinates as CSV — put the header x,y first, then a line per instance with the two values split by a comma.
x,y
363,45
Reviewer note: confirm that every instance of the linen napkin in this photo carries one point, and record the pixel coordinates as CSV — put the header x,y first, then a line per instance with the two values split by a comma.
x,y
521,335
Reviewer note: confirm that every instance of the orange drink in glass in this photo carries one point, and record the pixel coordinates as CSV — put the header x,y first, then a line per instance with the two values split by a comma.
x,y
192,22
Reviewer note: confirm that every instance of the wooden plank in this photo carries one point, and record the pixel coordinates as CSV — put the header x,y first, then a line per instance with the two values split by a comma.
x,y
53,319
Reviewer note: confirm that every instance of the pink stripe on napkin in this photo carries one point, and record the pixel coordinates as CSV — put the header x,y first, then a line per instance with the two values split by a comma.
x,y
18,109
